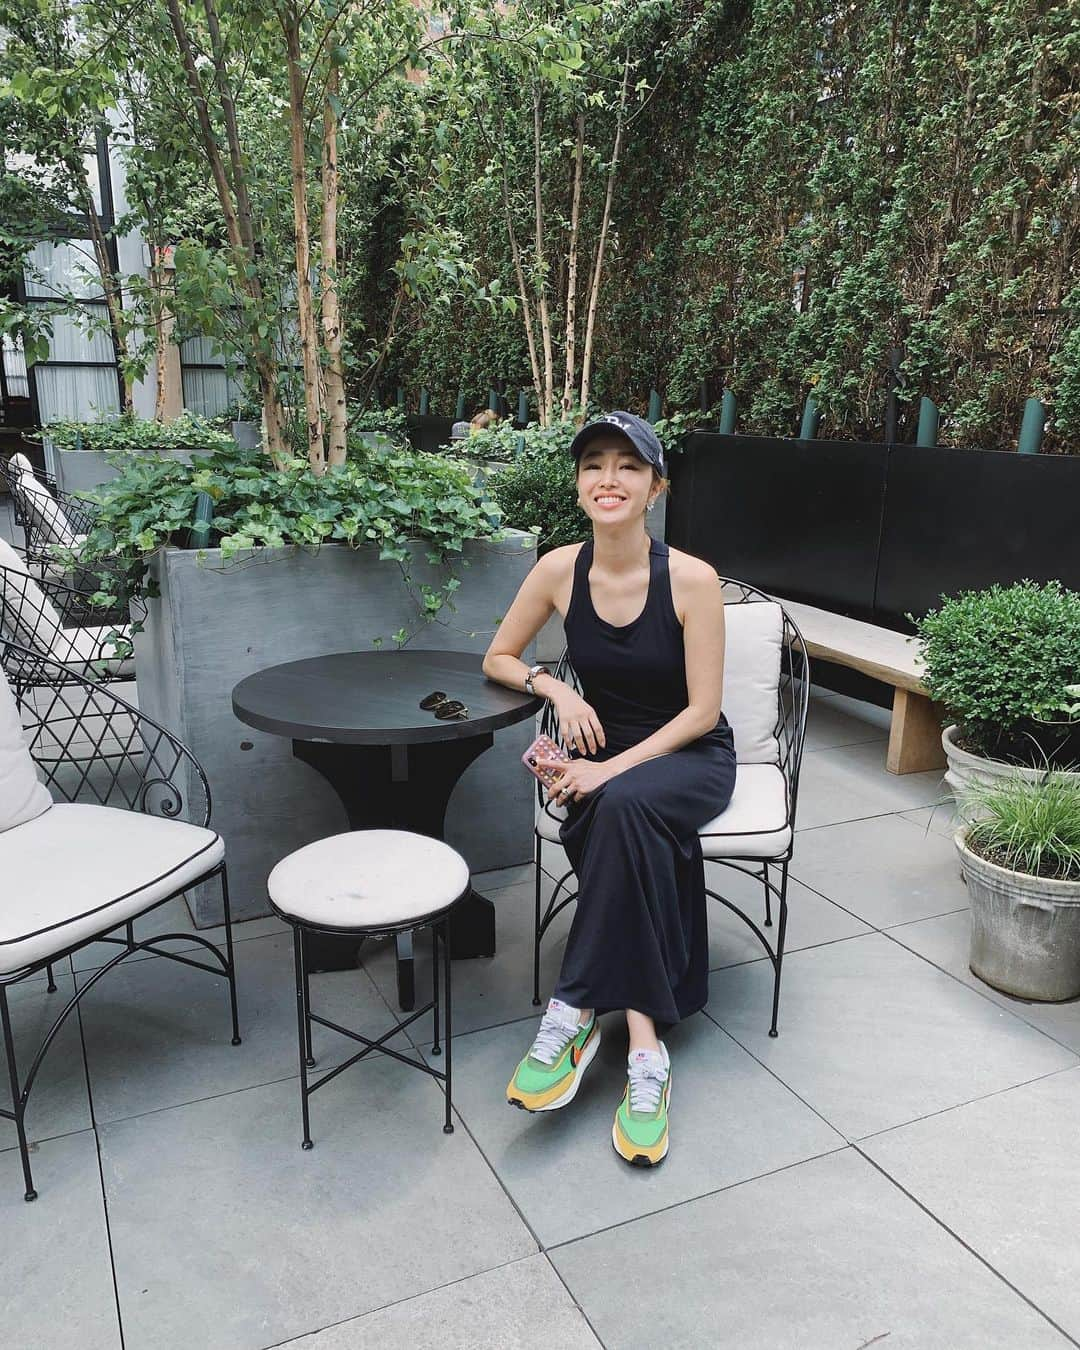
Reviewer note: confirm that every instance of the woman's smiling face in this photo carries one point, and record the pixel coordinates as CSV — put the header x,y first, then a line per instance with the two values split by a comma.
x,y
614,483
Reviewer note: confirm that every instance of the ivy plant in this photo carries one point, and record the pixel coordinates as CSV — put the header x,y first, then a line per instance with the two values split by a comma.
x,y
389,502
128,434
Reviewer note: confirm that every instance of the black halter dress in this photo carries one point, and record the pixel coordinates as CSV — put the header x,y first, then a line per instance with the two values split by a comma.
x,y
639,938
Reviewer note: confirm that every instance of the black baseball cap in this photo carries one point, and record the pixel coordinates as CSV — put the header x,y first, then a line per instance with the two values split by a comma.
x,y
637,431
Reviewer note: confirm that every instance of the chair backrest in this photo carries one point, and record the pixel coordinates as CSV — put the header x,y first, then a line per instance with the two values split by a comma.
x,y
41,511
92,746
22,796
752,660
27,616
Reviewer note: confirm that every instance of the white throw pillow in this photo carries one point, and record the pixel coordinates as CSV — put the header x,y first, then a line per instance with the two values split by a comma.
x,y
42,507
755,633
22,796
27,616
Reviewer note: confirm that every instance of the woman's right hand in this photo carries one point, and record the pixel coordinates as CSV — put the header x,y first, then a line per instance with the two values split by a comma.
x,y
579,726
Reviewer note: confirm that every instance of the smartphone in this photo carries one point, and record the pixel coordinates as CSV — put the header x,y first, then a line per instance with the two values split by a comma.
x,y
543,748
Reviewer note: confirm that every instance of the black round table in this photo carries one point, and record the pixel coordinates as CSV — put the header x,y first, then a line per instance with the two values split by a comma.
x,y
355,717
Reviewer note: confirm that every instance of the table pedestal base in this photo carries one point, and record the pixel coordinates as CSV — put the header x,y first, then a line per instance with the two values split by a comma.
x,y
400,787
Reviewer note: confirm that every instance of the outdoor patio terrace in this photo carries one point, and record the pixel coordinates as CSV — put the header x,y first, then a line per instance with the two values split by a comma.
x,y
898,1168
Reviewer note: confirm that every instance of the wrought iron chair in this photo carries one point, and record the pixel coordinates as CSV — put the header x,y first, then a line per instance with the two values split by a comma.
x,y
126,830
766,695
54,620
51,520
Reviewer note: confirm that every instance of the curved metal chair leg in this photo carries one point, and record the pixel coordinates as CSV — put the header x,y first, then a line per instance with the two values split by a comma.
x,y
536,925
436,1048
303,1032
781,933
18,1106
448,1124
51,986
231,956
768,895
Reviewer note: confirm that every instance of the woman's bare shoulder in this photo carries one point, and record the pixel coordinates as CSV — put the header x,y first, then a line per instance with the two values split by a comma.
x,y
559,561
686,568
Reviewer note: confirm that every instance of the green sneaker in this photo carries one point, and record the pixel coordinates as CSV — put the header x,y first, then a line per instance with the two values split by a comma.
x,y
548,1076
640,1131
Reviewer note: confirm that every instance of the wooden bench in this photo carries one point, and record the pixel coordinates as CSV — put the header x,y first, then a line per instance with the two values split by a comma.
x,y
915,733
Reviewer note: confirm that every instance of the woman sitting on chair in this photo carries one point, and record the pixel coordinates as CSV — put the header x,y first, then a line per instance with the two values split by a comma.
x,y
653,759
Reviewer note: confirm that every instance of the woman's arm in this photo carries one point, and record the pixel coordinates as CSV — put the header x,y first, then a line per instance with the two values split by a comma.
x,y
533,606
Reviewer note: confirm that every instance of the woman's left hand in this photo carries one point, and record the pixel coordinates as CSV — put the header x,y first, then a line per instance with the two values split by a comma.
x,y
576,779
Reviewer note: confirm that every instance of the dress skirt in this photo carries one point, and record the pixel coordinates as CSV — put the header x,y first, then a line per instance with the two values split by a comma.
x,y
639,937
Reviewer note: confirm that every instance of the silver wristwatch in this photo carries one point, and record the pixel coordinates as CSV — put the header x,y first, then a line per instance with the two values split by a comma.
x,y
533,672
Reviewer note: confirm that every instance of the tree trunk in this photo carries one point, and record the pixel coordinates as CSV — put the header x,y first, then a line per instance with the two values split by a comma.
x,y
262,357
571,272
337,412
605,224
523,293
109,287
309,346
541,266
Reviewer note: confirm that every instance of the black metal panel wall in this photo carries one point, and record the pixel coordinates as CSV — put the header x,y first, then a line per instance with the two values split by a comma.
x,y
430,432
960,520
801,518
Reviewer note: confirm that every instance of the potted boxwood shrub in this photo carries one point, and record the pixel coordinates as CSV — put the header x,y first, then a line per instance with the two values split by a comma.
x,y
384,549
1001,661
1021,860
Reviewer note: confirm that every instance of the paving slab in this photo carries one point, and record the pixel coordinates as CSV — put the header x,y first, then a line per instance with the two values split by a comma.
x,y
871,1036
945,941
522,1306
227,1236
828,1255
883,869
850,782
830,723
59,1103
730,1120
158,1033
1004,1175
56,1291
940,819
812,920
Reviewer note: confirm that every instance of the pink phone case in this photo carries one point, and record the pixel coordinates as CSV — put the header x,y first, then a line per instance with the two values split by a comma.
x,y
543,748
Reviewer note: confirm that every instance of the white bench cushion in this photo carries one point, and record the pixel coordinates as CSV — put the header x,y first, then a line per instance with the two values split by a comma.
x,y
368,879
754,638
78,871
753,825
22,796
28,617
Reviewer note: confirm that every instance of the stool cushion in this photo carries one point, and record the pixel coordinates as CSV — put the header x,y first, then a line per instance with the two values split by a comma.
x,y
368,879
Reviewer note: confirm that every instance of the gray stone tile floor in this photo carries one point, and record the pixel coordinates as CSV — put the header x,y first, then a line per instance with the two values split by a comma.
x,y
897,1169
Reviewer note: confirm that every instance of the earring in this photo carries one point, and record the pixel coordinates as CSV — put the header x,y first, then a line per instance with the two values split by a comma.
x,y
651,505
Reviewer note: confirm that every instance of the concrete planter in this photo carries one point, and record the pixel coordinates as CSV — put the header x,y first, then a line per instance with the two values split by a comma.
x,y
966,771
83,470
247,435
1025,930
216,623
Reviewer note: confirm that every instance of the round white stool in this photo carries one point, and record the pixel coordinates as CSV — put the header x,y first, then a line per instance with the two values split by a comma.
x,y
370,883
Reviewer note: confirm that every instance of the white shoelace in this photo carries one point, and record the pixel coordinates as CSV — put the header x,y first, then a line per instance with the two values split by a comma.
x,y
558,1026
647,1081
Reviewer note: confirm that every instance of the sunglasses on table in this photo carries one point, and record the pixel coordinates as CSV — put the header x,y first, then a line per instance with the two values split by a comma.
x,y
444,708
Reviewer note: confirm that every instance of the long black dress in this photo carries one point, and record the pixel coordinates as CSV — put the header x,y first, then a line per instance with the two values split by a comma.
x,y
639,938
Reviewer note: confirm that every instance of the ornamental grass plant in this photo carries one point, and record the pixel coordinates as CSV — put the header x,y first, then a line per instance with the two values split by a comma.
x,y
1030,826
1001,662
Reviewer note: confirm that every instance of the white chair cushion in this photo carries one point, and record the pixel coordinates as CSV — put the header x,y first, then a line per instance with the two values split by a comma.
x,y
368,879
77,871
755,634
754,824
43,508
22,796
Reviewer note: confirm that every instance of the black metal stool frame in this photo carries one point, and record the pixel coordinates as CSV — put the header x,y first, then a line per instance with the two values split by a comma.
x,y
439,923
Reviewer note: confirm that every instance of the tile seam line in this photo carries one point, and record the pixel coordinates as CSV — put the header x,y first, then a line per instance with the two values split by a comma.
x,y
101,1174
853,1140
985,997
854,820
693,1199
398,1302
959,1106
983,1261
